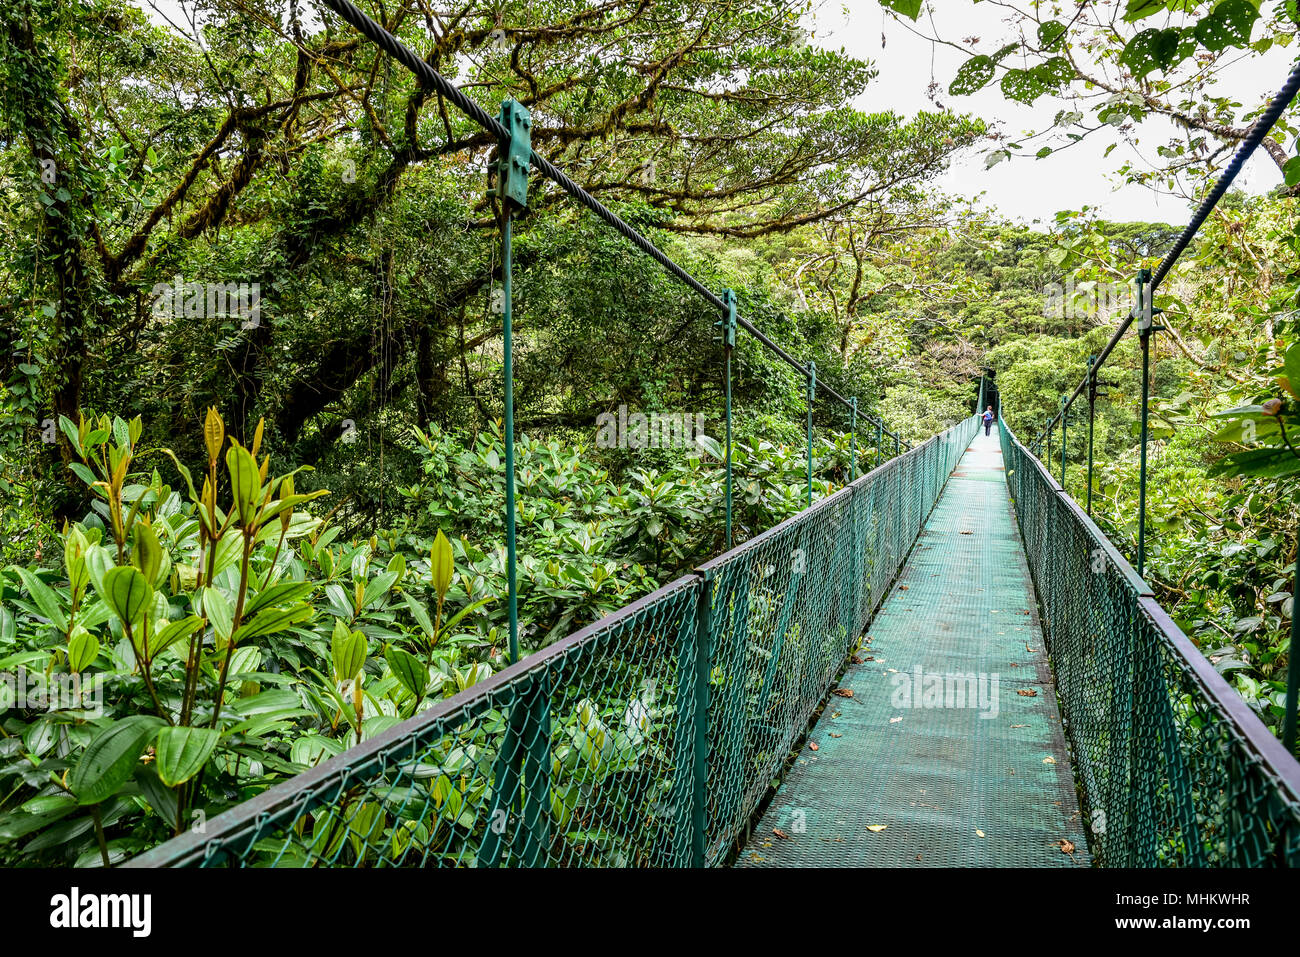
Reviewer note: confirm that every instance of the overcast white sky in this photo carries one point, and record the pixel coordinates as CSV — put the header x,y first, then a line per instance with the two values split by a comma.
x,y
1025,189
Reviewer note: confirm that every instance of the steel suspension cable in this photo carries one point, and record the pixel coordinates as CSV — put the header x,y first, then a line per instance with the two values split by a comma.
x,y
434,80
1258,130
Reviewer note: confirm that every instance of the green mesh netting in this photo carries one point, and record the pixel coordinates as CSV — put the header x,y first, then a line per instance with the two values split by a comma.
x,y
1172,766
645,740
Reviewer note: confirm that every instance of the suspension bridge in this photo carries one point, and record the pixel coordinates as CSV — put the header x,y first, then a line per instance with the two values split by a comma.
x,y
944,663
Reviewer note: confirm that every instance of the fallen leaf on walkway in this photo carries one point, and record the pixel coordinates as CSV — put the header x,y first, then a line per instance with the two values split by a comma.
x,y
781,834
967,533
836,734
1027,692
902,588
918,857
1031,650
876,828
1020,726
978,832
1067,847
856,660
896,720
843,692
835,714
1049,760
869,658
812,745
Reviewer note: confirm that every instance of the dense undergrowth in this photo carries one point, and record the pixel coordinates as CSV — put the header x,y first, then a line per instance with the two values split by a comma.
x,y
197,639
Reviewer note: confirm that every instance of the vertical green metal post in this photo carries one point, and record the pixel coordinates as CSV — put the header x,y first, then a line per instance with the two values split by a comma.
x,y
979,406
853,440
512,167
512,587
897,446
1048,460
1144,313
1092,413
1065,412
533,837
1293,665
812,394
700,764
728,449
728,324
880,441
527,726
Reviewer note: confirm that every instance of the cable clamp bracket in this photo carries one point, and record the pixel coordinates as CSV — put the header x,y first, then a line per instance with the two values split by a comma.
x,y
728,321
515,157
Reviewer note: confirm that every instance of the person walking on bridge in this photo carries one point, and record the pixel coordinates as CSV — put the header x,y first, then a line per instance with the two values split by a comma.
x,y
988,419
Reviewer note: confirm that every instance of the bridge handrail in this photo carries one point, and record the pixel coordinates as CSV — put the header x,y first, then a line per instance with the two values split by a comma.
x,y
658,728
1174,768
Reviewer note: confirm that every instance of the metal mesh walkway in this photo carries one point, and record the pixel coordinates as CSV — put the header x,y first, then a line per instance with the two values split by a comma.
x,y
949,751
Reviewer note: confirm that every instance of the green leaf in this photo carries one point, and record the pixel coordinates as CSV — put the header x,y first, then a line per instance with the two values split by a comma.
x,y
83,473
1273,462
23,658
47,600
1050,33
274,620
451,622
1053,73
83,648
1291,170
712,446
1138,9
278,594
245,481
110,758
1151,50
216,606
160,798
1022,86
146,552
173,632
69,429
128,594
290,502
182,752
1291,366
908,8
420,613
973,75
378,586
410,670
441,564
367,825
1229,24
349,653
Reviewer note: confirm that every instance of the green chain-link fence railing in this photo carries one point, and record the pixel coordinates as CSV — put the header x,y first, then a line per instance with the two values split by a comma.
x,y
1172,767
647,739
